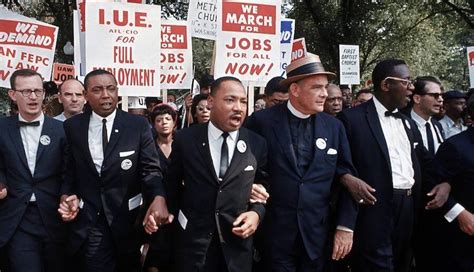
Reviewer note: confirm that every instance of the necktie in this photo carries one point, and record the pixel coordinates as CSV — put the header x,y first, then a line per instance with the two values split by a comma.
x,y
224,156
26,124
429,136
105,139
394,114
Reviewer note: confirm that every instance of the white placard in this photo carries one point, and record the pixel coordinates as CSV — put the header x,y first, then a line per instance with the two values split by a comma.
x,y
470,63
126,42
202,18
248,40
349,71
176,61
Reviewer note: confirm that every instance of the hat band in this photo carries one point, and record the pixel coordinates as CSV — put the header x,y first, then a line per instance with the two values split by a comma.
x,y
313,67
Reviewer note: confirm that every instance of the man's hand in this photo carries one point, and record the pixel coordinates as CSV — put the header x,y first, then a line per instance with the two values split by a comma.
x,y
157,215
466,222
441,194
360,191
259,194
342,244
246,224
68,207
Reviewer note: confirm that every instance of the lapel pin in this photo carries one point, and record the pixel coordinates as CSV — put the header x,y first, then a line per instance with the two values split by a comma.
x,y
203,144
321,143
45,140
241,146
116,131
126,164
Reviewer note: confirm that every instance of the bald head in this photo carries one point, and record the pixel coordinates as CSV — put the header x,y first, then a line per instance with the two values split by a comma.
x,y
71,96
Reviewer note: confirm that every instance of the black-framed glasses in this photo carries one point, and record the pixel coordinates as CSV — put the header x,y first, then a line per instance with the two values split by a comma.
x,y
405,82
28,92
434,95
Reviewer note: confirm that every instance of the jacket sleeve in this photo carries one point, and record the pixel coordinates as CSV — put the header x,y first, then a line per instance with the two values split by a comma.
x,y
261,177
69,169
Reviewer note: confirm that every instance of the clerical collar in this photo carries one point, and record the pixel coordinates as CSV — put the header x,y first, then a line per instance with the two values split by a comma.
x,y
295,112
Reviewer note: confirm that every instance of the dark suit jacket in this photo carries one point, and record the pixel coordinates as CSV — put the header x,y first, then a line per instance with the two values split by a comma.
x,y
45,183
110,191
371,159
210,205
454,162
300,202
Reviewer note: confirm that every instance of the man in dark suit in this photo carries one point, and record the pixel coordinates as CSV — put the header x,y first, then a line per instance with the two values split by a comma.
x,y
384,146
307,150
213,167
32,150
113,165
454,162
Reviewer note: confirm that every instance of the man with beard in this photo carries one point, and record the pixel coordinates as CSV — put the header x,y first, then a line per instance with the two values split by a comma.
x,y
213,166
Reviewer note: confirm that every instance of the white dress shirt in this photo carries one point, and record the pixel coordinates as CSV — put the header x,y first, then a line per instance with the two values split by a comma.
x,y
95,137
30,136
421,124
450,128
399,148
215,144
61,117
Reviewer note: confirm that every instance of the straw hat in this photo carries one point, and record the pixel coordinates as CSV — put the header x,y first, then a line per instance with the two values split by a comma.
x,y
308,66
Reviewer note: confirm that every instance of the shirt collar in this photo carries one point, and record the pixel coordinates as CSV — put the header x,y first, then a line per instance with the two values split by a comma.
x,y
451,123
381,109
216,133
418,119
40,118
98,119
295,112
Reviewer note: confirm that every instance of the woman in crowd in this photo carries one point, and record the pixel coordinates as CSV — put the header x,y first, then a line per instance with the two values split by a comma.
x,y
199,109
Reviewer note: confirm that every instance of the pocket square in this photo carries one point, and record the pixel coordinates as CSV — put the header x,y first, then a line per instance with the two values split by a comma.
x,y
332,151
248,168
126,153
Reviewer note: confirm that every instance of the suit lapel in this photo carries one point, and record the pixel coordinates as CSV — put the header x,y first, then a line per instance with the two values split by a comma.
x,y
281,128
238,158
376,128
203,147
83,134
15,135
114,134
320,132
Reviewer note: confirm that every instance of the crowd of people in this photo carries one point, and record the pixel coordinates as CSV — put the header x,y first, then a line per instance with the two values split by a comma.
x,y
316,179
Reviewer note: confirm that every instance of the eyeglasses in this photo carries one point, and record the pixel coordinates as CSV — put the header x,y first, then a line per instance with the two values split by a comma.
x,y
434,95
404,82
28,92
258,106
201,108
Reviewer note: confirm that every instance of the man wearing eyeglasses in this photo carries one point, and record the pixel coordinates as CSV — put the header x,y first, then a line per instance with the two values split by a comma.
x,y
384,147
113,165
32,150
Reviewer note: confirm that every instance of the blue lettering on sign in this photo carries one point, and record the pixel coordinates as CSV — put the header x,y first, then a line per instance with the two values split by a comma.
x,y
286,29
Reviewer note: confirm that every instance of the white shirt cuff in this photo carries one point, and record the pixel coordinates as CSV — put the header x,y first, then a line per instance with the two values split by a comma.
x,y
454,212
339,227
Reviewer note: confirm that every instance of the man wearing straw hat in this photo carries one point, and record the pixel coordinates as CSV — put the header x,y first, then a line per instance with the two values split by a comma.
x,y
308,149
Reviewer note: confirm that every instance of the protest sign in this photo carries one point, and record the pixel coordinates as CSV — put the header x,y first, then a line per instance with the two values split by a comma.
x,y
202,18
298,50
126,42
25,43
62,72
470,61
286,43
176,62
248,40
349,64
